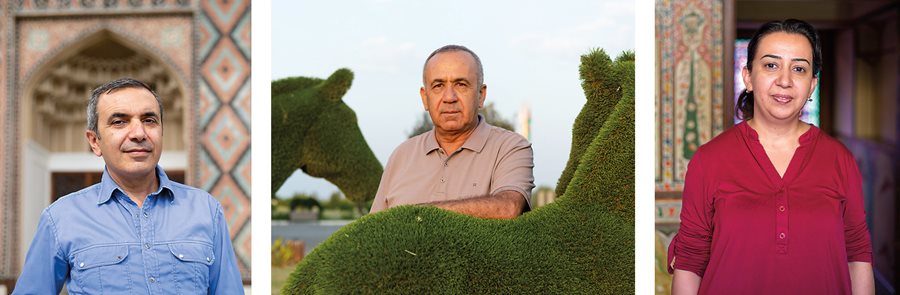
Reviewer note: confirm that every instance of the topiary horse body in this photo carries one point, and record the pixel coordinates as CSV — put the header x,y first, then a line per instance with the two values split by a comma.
x,y
315,131
582,243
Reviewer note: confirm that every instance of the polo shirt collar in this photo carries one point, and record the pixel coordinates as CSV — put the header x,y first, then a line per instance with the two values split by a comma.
x,y
475,142
108,186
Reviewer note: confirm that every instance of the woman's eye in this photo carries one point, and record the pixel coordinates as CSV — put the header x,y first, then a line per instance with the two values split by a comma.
x,y
770,66
800,69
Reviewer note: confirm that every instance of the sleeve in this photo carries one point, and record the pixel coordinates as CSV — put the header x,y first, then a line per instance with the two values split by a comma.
x,y
856,232
224,275
380,202
515,170
690,247
46,267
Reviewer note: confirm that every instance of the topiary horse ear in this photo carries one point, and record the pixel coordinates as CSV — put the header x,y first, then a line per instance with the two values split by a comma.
x,y
336,85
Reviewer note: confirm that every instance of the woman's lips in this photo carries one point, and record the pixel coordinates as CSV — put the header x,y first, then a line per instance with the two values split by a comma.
x,y
782,98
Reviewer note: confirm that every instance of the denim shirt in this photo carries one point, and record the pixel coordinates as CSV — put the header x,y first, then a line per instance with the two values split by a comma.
x,y
98,241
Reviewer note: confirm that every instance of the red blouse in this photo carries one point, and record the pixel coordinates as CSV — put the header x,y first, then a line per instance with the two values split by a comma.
x,y
744,229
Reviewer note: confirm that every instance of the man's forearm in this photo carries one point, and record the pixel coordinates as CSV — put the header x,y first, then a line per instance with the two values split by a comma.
x,y
502,205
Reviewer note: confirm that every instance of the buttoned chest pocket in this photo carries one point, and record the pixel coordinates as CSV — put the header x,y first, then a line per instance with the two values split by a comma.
x,y
101,270
189,270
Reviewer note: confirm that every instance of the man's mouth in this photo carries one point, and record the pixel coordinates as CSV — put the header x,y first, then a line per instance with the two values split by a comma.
x,y
138,151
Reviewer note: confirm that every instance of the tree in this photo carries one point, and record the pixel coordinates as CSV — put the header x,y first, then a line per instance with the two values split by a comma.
x,y
490,114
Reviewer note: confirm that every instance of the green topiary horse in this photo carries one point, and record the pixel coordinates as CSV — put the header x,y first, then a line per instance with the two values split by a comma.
x,y
582,243
313,130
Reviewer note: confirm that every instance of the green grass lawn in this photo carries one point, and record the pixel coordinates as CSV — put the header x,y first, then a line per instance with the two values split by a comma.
x,y
280,276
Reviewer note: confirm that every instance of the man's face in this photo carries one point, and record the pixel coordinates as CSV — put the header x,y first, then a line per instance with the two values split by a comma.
x,y
451,94
130,132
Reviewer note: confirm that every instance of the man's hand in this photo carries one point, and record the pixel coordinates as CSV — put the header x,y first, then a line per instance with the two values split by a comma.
x,y
502,205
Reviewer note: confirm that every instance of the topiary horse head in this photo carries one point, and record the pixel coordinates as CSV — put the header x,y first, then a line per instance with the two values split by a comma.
x,y
582,243
315,131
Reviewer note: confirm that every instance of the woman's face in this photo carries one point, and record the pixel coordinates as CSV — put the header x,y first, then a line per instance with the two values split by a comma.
x,y
782,77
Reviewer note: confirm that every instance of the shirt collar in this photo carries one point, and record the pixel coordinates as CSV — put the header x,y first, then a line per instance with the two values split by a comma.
x,y
108,186
475,142
804,139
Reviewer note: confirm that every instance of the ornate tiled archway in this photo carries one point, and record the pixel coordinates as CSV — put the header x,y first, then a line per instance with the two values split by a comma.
x,y
204,45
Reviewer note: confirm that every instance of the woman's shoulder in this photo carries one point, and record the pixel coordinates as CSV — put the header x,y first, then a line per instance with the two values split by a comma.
x,y
724,144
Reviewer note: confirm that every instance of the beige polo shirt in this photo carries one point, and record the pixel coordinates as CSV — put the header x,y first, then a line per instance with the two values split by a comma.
x,y
492,160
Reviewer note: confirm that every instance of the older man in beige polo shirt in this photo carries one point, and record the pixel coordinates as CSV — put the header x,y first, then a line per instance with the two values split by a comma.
x,y
463,164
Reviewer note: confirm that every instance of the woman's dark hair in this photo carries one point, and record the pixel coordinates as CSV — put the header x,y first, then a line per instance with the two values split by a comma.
x,y
791,26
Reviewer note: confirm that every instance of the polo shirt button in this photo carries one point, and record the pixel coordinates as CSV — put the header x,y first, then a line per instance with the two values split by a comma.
x,y
442,180
781,236
781,208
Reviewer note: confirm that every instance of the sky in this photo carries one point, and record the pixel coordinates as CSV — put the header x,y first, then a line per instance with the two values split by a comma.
x,y
530,51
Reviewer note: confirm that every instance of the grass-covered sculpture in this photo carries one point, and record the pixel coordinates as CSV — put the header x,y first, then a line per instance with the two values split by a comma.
x,y
582,243
313,130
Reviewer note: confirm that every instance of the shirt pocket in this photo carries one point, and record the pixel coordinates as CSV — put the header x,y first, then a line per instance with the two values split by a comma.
x,y
100,269
190,264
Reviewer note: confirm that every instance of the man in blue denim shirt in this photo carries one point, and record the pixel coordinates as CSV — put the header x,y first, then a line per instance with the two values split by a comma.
x,y
136,232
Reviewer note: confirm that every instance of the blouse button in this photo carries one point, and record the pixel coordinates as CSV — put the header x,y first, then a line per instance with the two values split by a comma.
x,y
781,208
781,236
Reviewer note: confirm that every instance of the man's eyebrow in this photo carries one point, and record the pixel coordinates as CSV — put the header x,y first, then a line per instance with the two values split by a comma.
x,y
149,114
118,115
793,59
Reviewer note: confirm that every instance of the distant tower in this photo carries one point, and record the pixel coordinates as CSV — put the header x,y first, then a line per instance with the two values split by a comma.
x,y
524,117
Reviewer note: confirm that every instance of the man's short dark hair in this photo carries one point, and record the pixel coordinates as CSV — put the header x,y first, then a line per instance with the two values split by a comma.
x,y
110,87
451,48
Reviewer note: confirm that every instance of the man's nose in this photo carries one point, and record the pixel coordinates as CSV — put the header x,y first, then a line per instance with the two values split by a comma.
x,y
449,95
137,132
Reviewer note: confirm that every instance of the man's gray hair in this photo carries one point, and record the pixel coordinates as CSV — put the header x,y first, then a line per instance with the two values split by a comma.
x,y
451,48
110,87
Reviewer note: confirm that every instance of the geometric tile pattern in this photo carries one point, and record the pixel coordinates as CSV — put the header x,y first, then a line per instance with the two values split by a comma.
x,y
225,139
224,56
226,68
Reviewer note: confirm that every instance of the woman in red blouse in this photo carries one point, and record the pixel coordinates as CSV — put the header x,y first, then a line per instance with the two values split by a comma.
x,y
773,205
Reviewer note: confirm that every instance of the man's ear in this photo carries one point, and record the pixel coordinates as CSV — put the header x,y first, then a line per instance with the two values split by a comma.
x,y
483,95
94,141
424,97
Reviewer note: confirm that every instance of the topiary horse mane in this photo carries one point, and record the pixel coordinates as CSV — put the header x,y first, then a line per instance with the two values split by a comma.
x,y
582,243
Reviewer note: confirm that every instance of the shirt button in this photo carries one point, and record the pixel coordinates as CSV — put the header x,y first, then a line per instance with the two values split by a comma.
x,y
208,259
119,257
442,180
781,236
147,245
781,208
147,215
445,164
152,280
81,264
181,256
